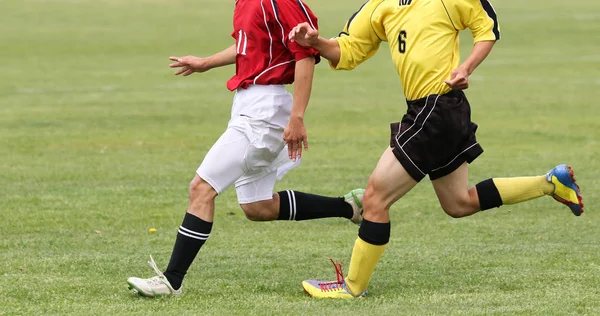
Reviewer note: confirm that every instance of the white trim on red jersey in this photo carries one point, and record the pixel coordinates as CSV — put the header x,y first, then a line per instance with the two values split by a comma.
x,y
280,64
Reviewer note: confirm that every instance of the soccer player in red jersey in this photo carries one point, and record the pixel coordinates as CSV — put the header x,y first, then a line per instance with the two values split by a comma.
x,y
252,152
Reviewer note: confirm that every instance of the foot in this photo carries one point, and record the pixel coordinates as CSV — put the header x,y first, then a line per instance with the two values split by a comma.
x,y
355,198
566,190
333,289
154,286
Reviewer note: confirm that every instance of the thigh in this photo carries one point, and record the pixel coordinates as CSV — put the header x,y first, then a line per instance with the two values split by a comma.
x,y
266,145
453,189
389,181
224,162
258,184
258,188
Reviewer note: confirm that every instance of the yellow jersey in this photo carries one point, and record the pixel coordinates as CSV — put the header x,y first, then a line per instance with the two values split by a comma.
x,y
422,36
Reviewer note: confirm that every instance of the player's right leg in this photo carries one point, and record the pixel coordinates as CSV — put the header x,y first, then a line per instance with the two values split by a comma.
x,y
388,183
220,169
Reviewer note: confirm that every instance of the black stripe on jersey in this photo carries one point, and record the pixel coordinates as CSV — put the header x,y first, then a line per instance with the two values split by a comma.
x,y
448,13
275,9
305,13
487,6
276,12
354,15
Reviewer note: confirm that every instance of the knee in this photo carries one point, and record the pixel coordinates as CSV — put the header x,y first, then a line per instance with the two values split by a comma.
x,y
454,211
259,211
201,191
460,207
373,201
252,211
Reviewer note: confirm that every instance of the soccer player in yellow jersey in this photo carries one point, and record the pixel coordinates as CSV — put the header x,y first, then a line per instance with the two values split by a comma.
x,y
436,136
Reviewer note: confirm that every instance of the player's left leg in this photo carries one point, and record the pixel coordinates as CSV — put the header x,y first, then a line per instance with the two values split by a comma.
x,y
259,203
458,200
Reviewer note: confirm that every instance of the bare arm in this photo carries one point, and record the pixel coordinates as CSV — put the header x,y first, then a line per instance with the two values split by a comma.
x,y
480,51
305,35
295,132
223,58
459,78
191,64
303,79
329,49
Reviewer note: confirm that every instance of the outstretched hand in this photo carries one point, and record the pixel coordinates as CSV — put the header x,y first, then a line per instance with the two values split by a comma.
x,y
189,65
459,79
304,35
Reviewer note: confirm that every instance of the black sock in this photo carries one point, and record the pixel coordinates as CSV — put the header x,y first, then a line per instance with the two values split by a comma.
x,y
489,197
192,234
375,233
294,205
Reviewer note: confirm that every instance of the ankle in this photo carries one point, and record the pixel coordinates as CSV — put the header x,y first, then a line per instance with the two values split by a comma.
x,y
547,186
174,281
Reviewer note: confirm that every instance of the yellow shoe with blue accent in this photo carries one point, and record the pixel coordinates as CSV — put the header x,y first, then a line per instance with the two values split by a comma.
x,y
566,190
333,289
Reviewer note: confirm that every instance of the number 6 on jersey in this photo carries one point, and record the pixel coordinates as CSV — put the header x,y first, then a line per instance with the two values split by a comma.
x,y
402,41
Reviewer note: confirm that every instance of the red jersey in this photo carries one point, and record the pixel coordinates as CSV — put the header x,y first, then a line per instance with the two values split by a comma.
x,y
265,56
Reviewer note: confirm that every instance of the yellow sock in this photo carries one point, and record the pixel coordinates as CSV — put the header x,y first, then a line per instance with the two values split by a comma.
x,y
516,190
362,264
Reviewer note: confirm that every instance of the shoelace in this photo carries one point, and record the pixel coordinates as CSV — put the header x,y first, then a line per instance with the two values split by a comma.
x,y
160,278
153,265
155,281
334,285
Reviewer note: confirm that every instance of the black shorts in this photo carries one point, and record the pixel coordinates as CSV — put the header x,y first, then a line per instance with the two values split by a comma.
x,y
436,136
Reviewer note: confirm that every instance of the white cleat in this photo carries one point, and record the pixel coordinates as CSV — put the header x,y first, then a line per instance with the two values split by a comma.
x,y
355,198
154,286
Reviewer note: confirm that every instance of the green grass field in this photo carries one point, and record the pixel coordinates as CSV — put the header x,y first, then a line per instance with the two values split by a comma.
x,y
98,143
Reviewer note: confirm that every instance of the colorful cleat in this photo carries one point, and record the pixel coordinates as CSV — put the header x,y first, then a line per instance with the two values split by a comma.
x,y
154,286
355,198
566,190
333,289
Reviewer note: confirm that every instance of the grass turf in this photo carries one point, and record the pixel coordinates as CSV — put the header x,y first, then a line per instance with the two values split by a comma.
x,y
99,141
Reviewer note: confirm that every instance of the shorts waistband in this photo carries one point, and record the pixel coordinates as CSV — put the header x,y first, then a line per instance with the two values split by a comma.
x,y
452,94
263,89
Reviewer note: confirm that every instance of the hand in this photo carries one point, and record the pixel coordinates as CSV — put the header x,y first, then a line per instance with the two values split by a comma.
x,y
459,79
304,35
189,65
294,136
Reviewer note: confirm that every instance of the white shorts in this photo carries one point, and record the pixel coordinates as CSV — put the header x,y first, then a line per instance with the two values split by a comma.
x,y
251,153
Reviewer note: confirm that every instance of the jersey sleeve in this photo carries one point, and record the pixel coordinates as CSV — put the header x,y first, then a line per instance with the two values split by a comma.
x,y
361,37
290,13
480,17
